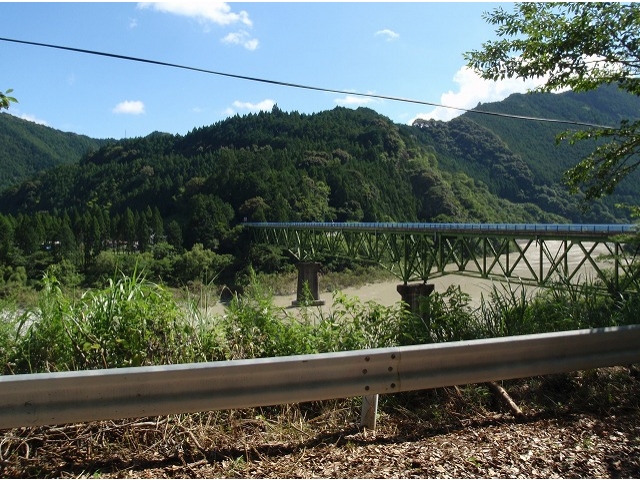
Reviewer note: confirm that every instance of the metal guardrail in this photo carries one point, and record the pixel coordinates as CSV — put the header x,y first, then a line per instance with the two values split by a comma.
x,y
65,397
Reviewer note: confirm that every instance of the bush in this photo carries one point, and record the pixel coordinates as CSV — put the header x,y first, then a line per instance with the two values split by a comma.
x,y
352,325
48,343
11,322
255,327
506,312
131,322
200,264
445,317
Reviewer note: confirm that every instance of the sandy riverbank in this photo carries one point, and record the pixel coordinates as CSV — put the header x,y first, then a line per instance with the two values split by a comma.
x,y
385,293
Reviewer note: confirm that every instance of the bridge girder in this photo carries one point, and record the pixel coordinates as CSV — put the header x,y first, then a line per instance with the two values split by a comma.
x,y
536,258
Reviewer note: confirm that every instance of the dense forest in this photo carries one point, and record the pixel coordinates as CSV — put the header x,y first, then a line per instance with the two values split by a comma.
x,y
548,160
175,204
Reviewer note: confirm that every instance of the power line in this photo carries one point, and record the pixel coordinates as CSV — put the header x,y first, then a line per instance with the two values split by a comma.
x,y
295,85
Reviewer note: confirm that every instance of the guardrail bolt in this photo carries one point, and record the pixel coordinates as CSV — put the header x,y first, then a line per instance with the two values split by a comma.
x,y
393,385
390,369
364,371
366,388
366,359
393,356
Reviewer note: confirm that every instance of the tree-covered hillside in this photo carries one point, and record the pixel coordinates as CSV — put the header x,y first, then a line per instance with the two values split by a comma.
x,y
516,160
168,196
548,160
335,165
29,148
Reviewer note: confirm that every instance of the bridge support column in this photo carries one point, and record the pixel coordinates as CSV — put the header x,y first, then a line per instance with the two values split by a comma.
x,y
308,275
411,293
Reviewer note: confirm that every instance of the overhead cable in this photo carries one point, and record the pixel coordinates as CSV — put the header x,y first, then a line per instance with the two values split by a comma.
x,y
295,85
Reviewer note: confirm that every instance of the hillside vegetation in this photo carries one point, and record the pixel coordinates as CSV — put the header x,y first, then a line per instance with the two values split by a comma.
x,y
181,200
28,148
547,159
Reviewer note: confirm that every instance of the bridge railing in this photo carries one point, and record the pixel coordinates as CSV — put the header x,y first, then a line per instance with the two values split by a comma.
x,y
606,229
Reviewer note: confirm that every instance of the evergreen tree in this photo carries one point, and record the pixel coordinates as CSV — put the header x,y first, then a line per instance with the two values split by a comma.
x,y
157,226
174,235
128,229
66,246
6,239
142,231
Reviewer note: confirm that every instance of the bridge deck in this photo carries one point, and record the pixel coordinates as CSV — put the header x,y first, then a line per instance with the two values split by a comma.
x,y
563,229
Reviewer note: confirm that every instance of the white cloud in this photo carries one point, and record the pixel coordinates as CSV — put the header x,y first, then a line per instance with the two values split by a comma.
x,y
208,13
32,118
348,100
265,105
472,89
389,34
129,107
133,23
243,38
205,12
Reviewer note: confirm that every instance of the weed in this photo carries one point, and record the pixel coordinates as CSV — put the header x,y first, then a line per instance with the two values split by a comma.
x,y
131,322
505,313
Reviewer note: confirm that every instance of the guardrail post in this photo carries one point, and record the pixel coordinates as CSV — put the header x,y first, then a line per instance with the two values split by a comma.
x,y
369,411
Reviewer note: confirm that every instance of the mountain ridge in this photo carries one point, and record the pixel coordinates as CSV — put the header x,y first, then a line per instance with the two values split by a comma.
x,y
28,148
430,169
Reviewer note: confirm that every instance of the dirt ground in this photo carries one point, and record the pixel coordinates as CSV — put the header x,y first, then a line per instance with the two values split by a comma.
x,y
386,293
584,425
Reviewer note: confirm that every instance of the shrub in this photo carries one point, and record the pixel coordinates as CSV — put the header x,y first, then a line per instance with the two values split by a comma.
x,y
12,321
352,325
445,317
134,322
131,322
48,342
255,327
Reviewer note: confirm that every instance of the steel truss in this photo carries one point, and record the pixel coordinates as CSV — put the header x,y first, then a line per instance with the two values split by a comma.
x,y
532,256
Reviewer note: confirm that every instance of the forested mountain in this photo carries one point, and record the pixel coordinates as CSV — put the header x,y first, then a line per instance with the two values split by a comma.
x,y
534,142
335,165
28,148
166,194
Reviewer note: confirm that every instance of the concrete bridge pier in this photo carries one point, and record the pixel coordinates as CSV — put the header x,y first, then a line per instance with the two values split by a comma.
x,y
411,293
308,275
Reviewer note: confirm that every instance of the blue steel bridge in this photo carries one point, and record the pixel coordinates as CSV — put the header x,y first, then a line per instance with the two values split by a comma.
x,y
537,254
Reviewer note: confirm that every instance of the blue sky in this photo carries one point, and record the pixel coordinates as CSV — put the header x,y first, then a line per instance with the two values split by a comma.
x,y
410,50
